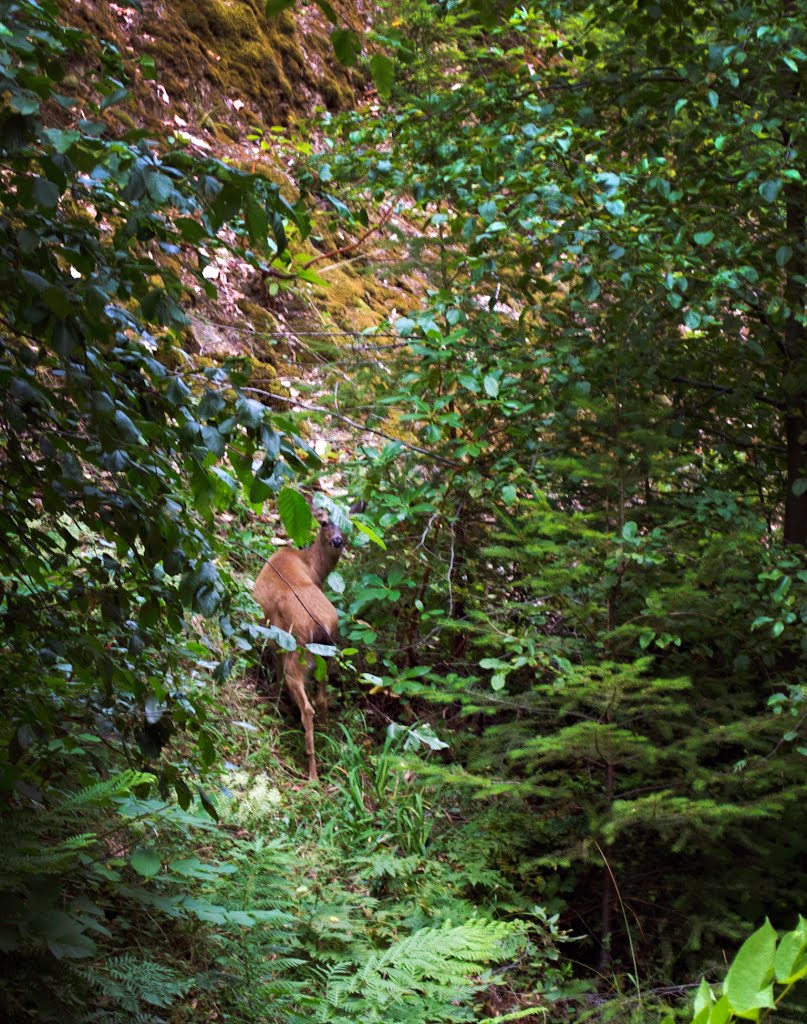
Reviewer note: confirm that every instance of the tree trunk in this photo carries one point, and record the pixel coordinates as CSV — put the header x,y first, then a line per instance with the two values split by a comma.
x,y
607,895
795,293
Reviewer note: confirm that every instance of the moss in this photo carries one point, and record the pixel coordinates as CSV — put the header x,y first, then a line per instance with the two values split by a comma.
x,y
242,54
170,355
262,322
249,372
263,376
354,300
210,51
231,133
124,119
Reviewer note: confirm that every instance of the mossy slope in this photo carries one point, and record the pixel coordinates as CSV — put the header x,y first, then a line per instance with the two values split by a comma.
x,y
224,61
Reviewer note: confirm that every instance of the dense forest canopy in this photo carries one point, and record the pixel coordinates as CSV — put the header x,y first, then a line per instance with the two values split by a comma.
x,y
529,281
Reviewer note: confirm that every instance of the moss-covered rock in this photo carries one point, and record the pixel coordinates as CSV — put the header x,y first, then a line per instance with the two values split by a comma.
x,y
247,372
264,327
211,53
263,376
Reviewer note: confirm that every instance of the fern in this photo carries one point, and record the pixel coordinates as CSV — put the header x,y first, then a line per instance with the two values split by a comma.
x,y
37,845
101,793
130,981
428,976
387,865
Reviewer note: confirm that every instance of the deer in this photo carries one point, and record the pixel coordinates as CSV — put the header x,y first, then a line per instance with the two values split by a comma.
x,y
289,591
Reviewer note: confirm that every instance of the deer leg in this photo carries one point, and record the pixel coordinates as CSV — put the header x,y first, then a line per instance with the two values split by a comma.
x,y
295,680
321,701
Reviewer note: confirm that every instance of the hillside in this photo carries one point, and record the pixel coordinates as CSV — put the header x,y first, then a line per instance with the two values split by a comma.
x,y
526,287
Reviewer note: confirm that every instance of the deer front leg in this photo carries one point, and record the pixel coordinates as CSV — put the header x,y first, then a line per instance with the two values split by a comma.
x,y
295,680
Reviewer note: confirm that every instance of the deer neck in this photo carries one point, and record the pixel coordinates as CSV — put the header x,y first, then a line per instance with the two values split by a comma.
x,y
320,561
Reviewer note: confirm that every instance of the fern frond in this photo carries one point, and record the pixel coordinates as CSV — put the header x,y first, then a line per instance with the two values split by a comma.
x,y
102,792
437,968
130,981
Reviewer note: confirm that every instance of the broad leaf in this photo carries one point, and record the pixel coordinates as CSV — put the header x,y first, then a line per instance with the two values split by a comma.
x,y
295,513
748,983
368,532
146,861
382,69
346,45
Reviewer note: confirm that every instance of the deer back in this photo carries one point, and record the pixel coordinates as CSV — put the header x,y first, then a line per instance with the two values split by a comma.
x,y
288,589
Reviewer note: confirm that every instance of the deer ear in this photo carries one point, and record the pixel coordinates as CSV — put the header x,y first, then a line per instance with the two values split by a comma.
x,y
317,511
357,506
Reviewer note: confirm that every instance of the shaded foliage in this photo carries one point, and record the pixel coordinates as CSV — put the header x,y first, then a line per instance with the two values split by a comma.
x,y
611,365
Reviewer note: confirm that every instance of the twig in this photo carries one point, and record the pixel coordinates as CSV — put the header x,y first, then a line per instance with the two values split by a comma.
x,y
357,426
353,245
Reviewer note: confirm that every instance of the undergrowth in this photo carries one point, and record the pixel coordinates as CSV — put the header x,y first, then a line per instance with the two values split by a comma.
x,y
376,905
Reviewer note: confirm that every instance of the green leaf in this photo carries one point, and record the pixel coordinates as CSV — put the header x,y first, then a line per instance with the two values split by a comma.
x,y
296,515
336,582
125,429
608,182
46,193
190,229
65,935
404,326
24,102
249,412
58,300
769,190
323,650
61,140
704,237
418,734
488,211
374,537
285,641
720,1012
615,207
256,219
748,983
114,97
799,486
207,749
213,440
783,254
148,68
790,961
207,803
275,7
704,997
36,281
346,45
145,860
159,186
382,69
692,319
338,205
491,385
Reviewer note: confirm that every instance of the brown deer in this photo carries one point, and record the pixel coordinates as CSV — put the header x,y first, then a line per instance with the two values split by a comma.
x,y
289,590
